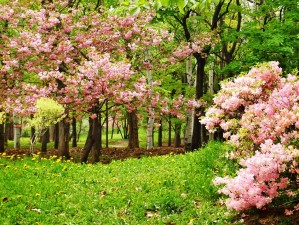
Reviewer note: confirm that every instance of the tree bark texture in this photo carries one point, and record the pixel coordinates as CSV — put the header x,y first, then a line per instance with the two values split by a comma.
x,y
177,137
107,125
2,137
17,130
169,131
197,139
88,143
56,136
9,131
45,140
190,115
151,119
64,137
74,132
133,129
97,136
93,142
160,134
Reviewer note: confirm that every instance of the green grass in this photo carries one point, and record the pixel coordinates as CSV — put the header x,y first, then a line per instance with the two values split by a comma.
x,y
171,189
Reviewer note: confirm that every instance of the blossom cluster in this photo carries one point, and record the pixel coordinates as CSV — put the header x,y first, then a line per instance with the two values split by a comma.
x,y
196,45
260,180
259,114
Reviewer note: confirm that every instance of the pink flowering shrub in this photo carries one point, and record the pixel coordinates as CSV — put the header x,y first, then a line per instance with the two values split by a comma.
x,y
259,114
260,180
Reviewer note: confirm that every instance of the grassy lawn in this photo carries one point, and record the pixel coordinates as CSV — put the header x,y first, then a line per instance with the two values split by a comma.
x,y
171,189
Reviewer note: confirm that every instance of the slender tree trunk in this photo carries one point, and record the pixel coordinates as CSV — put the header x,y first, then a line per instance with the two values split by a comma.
x,y
10,134
32,129
52,133
107,126
112,127
6,134
200,75
177,138
2,137
150,131
45,140
74,133
79,131
169,131
125,136
160,134
17,131
64,137
56,136
88,144
190,115
211,90
133,130
151,119
97,136
125,127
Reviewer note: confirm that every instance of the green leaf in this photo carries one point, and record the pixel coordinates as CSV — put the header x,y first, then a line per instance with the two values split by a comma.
x,y
125,3
181,5
164,2
157,5
135,10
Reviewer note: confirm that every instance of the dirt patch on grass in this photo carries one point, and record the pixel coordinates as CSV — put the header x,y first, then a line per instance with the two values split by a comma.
x,y
269,216
107,154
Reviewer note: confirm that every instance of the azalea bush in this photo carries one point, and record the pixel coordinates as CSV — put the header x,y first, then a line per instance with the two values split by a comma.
x,y
259,113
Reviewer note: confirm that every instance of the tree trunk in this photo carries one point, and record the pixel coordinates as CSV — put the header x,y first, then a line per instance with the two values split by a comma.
x,y
88,144
52,133
10,131
190,115
74,133
56,136
133,130
177,137
45,140
107,126
125,127
32,129
151,119
200,75
17,131
112,127
160,134
97,137
64,135
80,128
211,90
169,131
150,131
2,137
6,134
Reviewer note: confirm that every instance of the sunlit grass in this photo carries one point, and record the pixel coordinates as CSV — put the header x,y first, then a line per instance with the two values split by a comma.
x,y
171,189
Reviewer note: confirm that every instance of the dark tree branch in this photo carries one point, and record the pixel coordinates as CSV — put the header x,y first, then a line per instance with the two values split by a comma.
x,y
217,16
99,3
178,19
232,50
185,26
